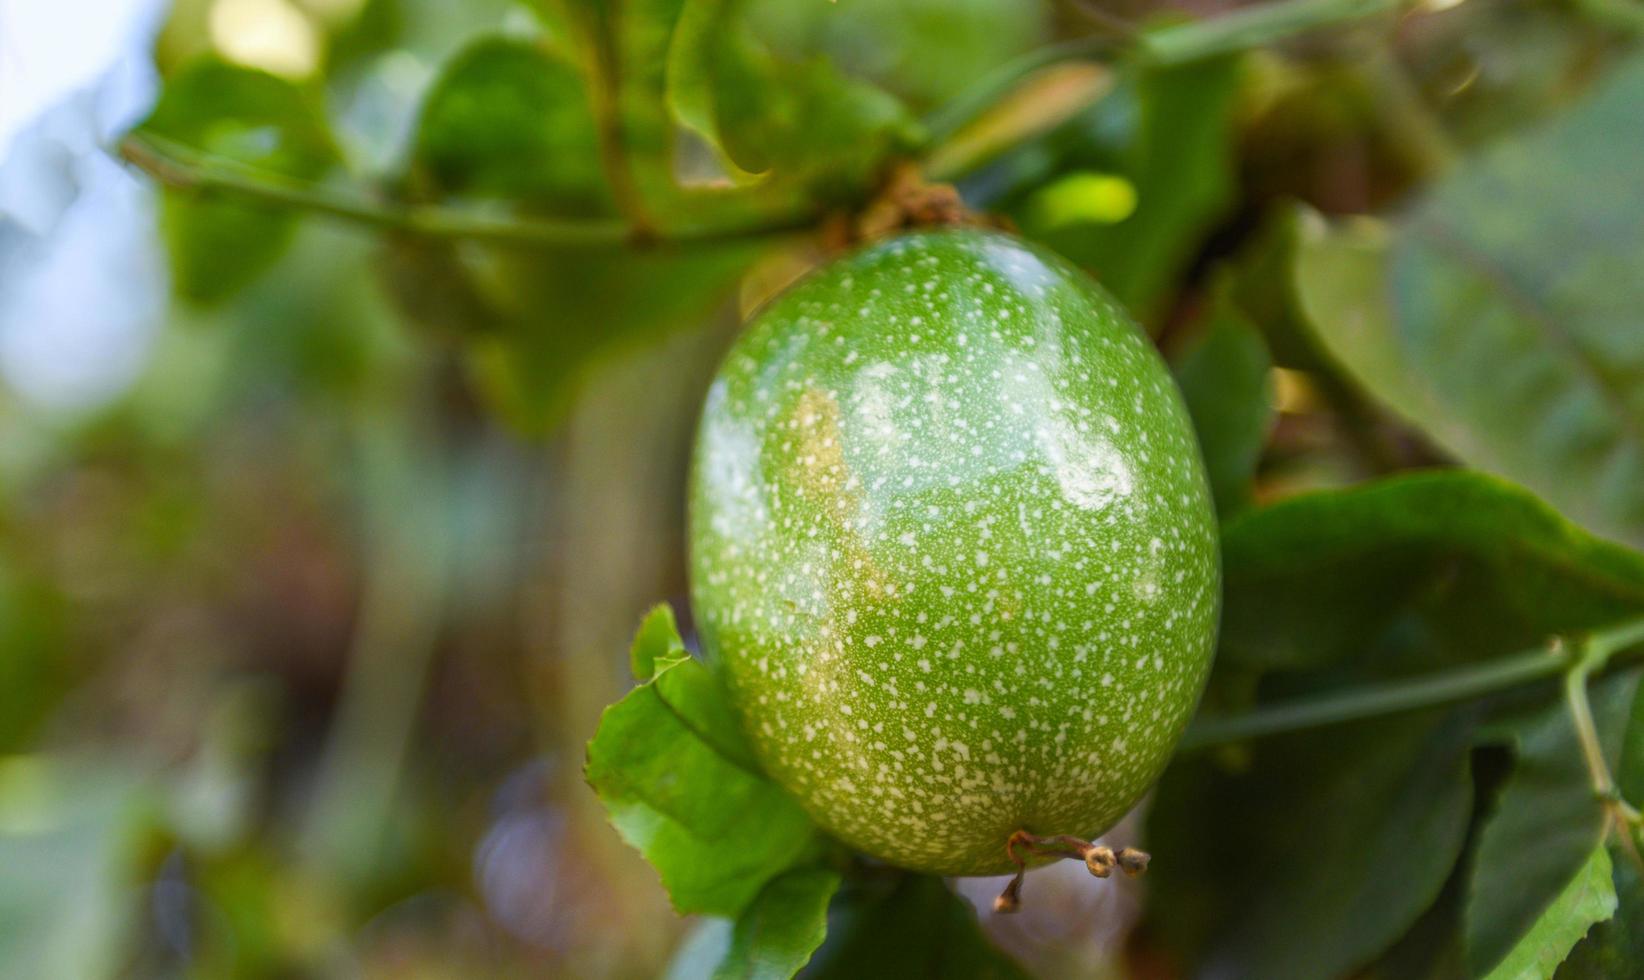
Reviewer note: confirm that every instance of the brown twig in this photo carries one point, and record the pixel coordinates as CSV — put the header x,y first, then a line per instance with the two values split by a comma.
x,y
1098,858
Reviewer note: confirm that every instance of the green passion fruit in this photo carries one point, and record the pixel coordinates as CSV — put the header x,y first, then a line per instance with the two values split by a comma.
x,y
953,550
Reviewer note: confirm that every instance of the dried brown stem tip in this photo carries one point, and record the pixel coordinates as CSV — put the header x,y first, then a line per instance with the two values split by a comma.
x,y
1010,900
904,201
1101,861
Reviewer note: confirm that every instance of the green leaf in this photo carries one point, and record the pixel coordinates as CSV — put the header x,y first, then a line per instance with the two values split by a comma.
x,y
1322,576
1614,948
509,119
693,695
1545,828
1588,899
673,772
1177,123
657,642
1226,380
802,121
891,924
926,51
1314,857
776,935
219,245
1534,248
626,47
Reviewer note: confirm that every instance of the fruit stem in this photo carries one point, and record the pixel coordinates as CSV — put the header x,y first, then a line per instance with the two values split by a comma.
x,y
1098,858
1618,811
1603,649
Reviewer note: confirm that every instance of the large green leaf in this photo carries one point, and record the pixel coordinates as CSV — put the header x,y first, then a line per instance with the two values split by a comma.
x,y
802,121
927,51
509,119
890,924
1312,858
673,772
1319,577
248,117
776,935
1225,379
1501,314
1543,832
880,922
1614,948
1589,898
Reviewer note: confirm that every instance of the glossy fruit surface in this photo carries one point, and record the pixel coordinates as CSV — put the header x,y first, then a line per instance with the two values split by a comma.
x,y
953,549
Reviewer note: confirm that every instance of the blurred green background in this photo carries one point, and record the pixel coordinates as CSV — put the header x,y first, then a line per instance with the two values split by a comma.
x,y
321,545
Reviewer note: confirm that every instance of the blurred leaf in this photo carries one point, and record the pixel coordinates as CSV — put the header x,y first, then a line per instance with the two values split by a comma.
x,y
1432,948
1227,382
36,666
670,768
1084,196
1175,126
894,924
1340,278
1544,830
1318,577
802,121
927,51
67,830
317,324
219,245
506,118
1314,858
1040,103
1491,69
1589,898
1534,247
1614,948
626,48
1260,284
775,936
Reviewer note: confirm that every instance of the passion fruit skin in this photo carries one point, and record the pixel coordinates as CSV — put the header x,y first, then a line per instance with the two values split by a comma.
x,y
953,549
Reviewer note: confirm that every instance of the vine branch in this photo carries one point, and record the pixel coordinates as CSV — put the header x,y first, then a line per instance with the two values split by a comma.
x,y
1600,651
185,168
1590,659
